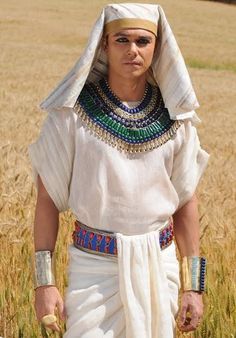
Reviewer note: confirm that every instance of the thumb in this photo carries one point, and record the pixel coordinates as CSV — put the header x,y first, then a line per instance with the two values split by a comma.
x,y
61,309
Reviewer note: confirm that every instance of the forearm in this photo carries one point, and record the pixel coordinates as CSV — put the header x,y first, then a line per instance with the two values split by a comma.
x,y
46,221
186,227
47,297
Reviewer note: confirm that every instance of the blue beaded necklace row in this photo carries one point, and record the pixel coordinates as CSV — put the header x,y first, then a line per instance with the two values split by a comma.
x,y
138,129
111,95
129,122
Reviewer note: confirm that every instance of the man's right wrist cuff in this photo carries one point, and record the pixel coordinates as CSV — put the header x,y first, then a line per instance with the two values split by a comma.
x,y
44,270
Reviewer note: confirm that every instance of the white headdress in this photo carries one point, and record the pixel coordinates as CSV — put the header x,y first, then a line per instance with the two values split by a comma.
x,y
168,67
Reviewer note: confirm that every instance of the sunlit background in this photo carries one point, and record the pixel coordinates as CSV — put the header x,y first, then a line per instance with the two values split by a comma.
x,y
40,41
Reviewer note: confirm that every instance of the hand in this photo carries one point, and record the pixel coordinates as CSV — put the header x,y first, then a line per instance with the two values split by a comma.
x,y
47,299
190,312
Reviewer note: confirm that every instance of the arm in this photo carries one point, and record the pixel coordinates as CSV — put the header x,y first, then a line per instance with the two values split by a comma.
x,y
186,223
47,298
187,234
46,220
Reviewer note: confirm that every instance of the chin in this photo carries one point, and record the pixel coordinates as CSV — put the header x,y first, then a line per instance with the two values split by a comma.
x,y
134,74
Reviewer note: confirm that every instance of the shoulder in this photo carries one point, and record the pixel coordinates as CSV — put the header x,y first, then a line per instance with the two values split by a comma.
x,y
61,121
62,115
186,136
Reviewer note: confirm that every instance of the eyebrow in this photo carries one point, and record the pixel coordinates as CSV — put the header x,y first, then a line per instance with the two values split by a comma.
x,y
128,35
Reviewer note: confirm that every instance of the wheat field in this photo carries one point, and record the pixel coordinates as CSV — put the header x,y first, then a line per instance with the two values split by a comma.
x,y
40,41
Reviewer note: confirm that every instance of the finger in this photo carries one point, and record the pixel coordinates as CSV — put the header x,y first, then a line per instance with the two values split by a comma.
x,y
182,315
194,321
190,325
195,317
53,327
61,309
64,313
187,328
186,325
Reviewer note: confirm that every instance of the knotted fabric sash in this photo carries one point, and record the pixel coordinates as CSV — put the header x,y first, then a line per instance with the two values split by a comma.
x,y
144,287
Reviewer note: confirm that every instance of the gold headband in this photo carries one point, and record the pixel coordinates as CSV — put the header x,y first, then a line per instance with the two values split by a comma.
x,y
120,24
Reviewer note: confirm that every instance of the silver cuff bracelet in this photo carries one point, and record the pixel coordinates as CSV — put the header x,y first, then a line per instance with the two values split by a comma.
x,y
44,269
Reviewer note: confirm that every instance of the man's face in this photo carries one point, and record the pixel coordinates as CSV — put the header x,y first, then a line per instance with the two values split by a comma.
x,y
130,52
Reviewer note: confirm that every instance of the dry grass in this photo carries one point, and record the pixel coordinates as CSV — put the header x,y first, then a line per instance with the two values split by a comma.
x,y
40,41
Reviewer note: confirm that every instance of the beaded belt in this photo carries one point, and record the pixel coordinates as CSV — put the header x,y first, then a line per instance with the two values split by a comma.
x,y
104,242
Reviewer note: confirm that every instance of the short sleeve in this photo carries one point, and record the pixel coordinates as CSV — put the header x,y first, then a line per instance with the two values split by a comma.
x,y
189,163
52,156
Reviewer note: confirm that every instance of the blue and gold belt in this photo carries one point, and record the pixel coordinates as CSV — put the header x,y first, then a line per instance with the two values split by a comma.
x,y
103,242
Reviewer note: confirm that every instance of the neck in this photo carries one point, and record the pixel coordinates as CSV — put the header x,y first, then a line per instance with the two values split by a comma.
x,y
127,89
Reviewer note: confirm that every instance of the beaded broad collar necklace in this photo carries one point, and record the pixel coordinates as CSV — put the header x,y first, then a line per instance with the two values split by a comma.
x,y
132,130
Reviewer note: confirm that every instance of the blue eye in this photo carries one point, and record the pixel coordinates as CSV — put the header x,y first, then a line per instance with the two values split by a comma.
x,y
122,40
143,41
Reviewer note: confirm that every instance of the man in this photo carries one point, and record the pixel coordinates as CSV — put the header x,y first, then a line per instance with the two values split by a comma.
x,y
124,155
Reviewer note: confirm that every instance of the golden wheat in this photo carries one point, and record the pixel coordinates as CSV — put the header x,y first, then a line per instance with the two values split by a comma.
x,y
40,41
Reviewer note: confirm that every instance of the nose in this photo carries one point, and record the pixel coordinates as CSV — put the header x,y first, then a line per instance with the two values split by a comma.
x,y
132,50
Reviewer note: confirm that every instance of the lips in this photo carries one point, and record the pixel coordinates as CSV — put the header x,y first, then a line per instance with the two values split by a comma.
x,y
132,63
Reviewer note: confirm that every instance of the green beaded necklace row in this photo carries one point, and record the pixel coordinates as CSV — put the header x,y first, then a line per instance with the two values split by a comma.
x,y
126,133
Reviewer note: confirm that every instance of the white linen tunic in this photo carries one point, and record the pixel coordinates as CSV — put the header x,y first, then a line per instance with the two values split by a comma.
x,y
134,295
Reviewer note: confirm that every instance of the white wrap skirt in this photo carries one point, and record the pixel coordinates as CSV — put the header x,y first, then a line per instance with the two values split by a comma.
x,y
133,295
